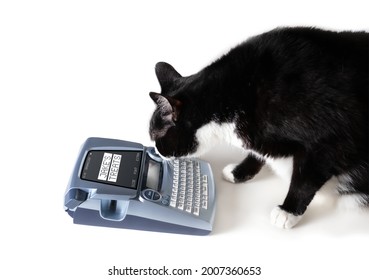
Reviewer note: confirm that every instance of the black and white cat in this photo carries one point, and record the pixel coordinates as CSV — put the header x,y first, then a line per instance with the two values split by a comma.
x,y
292,96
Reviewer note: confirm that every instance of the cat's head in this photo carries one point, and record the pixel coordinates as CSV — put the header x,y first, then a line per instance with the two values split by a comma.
x,y
176,119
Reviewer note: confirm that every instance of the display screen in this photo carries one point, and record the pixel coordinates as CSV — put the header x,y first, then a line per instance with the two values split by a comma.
x,y
153,175
119,168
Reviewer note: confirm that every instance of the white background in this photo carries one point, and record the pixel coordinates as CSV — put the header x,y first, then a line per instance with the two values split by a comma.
x,y
74,69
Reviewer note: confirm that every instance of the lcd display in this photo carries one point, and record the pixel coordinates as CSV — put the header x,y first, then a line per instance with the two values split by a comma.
x,y
119,168
153,175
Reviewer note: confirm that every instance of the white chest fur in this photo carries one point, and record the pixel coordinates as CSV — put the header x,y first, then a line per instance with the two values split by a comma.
x,y
213,133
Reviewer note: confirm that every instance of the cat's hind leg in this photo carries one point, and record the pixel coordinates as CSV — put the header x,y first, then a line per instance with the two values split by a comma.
x,y
246,170
354,188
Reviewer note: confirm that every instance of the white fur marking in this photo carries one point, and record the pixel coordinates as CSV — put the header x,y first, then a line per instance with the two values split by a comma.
x,y
283,219
213,133
349,200
352,202
281,166
227,172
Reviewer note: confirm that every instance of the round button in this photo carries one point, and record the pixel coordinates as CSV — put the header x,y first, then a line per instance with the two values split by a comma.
x,y
151,195
165,202
156,196
148,194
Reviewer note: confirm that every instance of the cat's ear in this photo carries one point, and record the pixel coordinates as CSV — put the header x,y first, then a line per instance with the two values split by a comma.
x,y
168,106
166,75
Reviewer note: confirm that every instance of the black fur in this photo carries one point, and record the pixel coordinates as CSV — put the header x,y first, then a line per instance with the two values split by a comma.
x,y
300,92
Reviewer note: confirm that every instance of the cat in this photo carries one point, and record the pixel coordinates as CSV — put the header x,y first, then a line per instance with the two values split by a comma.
x,y
294,95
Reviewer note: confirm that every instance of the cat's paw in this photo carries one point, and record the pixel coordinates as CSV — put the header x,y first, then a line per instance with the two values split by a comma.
x,y
283,219
228,172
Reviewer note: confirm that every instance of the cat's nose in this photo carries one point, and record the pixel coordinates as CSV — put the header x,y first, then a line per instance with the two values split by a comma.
x,y
157,152
162,156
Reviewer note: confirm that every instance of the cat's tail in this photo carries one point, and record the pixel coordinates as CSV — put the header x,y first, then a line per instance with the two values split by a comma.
x,y
353,188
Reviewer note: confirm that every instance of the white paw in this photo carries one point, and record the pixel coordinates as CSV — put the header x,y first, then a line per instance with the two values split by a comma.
x,y
283,219
227,172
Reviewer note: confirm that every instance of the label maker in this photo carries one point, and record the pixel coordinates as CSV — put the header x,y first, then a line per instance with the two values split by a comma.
x,y
116,183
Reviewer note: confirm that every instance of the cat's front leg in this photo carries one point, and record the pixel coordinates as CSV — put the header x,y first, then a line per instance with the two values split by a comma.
x,y
308,176
246,170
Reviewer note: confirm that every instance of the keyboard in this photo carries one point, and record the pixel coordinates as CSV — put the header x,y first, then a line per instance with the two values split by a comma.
x,y
190,187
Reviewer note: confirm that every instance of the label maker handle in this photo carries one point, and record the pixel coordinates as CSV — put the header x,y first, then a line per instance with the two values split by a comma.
x,y
113,210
